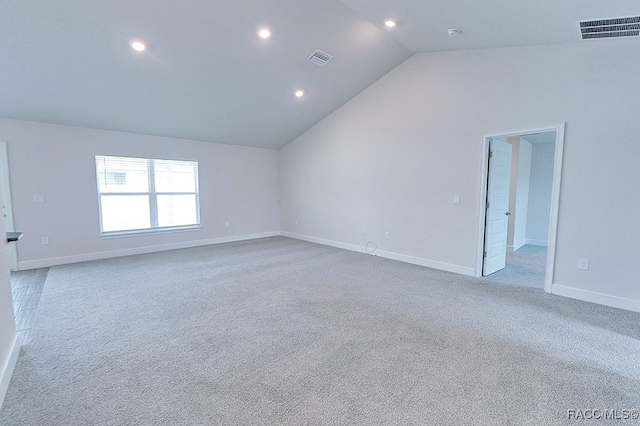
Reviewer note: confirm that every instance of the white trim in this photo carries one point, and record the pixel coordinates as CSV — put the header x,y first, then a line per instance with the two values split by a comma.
x,y
443,266
555,196
595,297
12,251
148,231
541,243
63,260
7,369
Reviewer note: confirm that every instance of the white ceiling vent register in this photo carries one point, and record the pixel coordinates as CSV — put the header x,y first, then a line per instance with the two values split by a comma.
x,y
608,28
319,57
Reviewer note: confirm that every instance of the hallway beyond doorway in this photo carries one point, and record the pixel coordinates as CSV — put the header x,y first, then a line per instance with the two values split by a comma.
x,y
525,268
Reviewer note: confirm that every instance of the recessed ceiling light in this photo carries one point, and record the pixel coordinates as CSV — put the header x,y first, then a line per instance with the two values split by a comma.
x,y
390,23
264,32
138,45
453,32
299,93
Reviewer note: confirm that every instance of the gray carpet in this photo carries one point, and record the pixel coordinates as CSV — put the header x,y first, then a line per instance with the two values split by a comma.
x,y
525,267
283,332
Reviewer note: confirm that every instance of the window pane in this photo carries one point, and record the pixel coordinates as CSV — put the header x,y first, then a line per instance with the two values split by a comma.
x,y
175,176
143,193
122,174
177,210
125,212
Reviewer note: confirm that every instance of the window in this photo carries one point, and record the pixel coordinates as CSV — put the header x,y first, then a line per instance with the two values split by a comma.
x,y
138,194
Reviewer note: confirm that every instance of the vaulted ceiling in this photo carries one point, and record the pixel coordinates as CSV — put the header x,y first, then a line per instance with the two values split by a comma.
x,y
206,75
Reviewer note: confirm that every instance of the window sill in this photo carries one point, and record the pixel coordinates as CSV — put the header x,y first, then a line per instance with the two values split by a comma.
x,y
154,231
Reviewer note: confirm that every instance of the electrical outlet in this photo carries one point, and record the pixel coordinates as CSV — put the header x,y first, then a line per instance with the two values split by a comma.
x,y
456,199
295,221
364,231
583,264
38,198
386,235
45,240
226,224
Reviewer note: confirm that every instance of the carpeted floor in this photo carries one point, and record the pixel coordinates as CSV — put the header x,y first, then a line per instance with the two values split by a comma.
x,y
525,268
283,332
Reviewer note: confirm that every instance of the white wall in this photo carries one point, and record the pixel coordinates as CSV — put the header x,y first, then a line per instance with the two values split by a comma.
x,y
392,158
513,180
540,193
237,184
519,193
522,195
9,346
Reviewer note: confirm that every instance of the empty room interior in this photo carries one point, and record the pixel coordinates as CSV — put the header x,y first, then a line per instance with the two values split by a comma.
x,y
319,212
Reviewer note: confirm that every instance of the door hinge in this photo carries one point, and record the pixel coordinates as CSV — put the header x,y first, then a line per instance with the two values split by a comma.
x,y
490,154
487,205
485,253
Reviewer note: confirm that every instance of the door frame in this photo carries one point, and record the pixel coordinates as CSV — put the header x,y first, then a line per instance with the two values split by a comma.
x,y
5,183
555,196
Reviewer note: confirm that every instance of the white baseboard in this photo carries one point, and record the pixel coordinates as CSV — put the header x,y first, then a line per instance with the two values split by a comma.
x,y
6,369
443,266
85,257
513,249
519,245
594,297
541,243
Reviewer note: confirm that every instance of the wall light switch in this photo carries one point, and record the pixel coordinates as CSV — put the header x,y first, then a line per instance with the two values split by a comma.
x,y
386,235
583,264
38,198
456,199
45,240
226,224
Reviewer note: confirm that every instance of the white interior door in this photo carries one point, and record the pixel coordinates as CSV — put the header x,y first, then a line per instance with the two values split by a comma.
x,y
497,215
7,211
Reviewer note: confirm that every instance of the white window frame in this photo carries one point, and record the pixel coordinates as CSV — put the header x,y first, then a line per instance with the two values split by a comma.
x,y
153,201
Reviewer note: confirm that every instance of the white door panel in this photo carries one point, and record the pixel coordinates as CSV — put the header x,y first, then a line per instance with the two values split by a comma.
x,y
7,211
497,215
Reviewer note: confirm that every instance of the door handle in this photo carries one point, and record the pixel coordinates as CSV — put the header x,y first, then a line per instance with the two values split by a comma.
x,y
507,213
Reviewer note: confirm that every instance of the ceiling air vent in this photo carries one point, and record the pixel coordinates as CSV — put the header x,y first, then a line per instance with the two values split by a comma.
x,y
608,28
319,57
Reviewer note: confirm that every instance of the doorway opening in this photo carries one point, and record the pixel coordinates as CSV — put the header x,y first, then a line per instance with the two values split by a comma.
x,y
520,191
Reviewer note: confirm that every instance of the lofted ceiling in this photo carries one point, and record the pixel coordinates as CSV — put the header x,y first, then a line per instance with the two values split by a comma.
x,y
207,76
422,25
